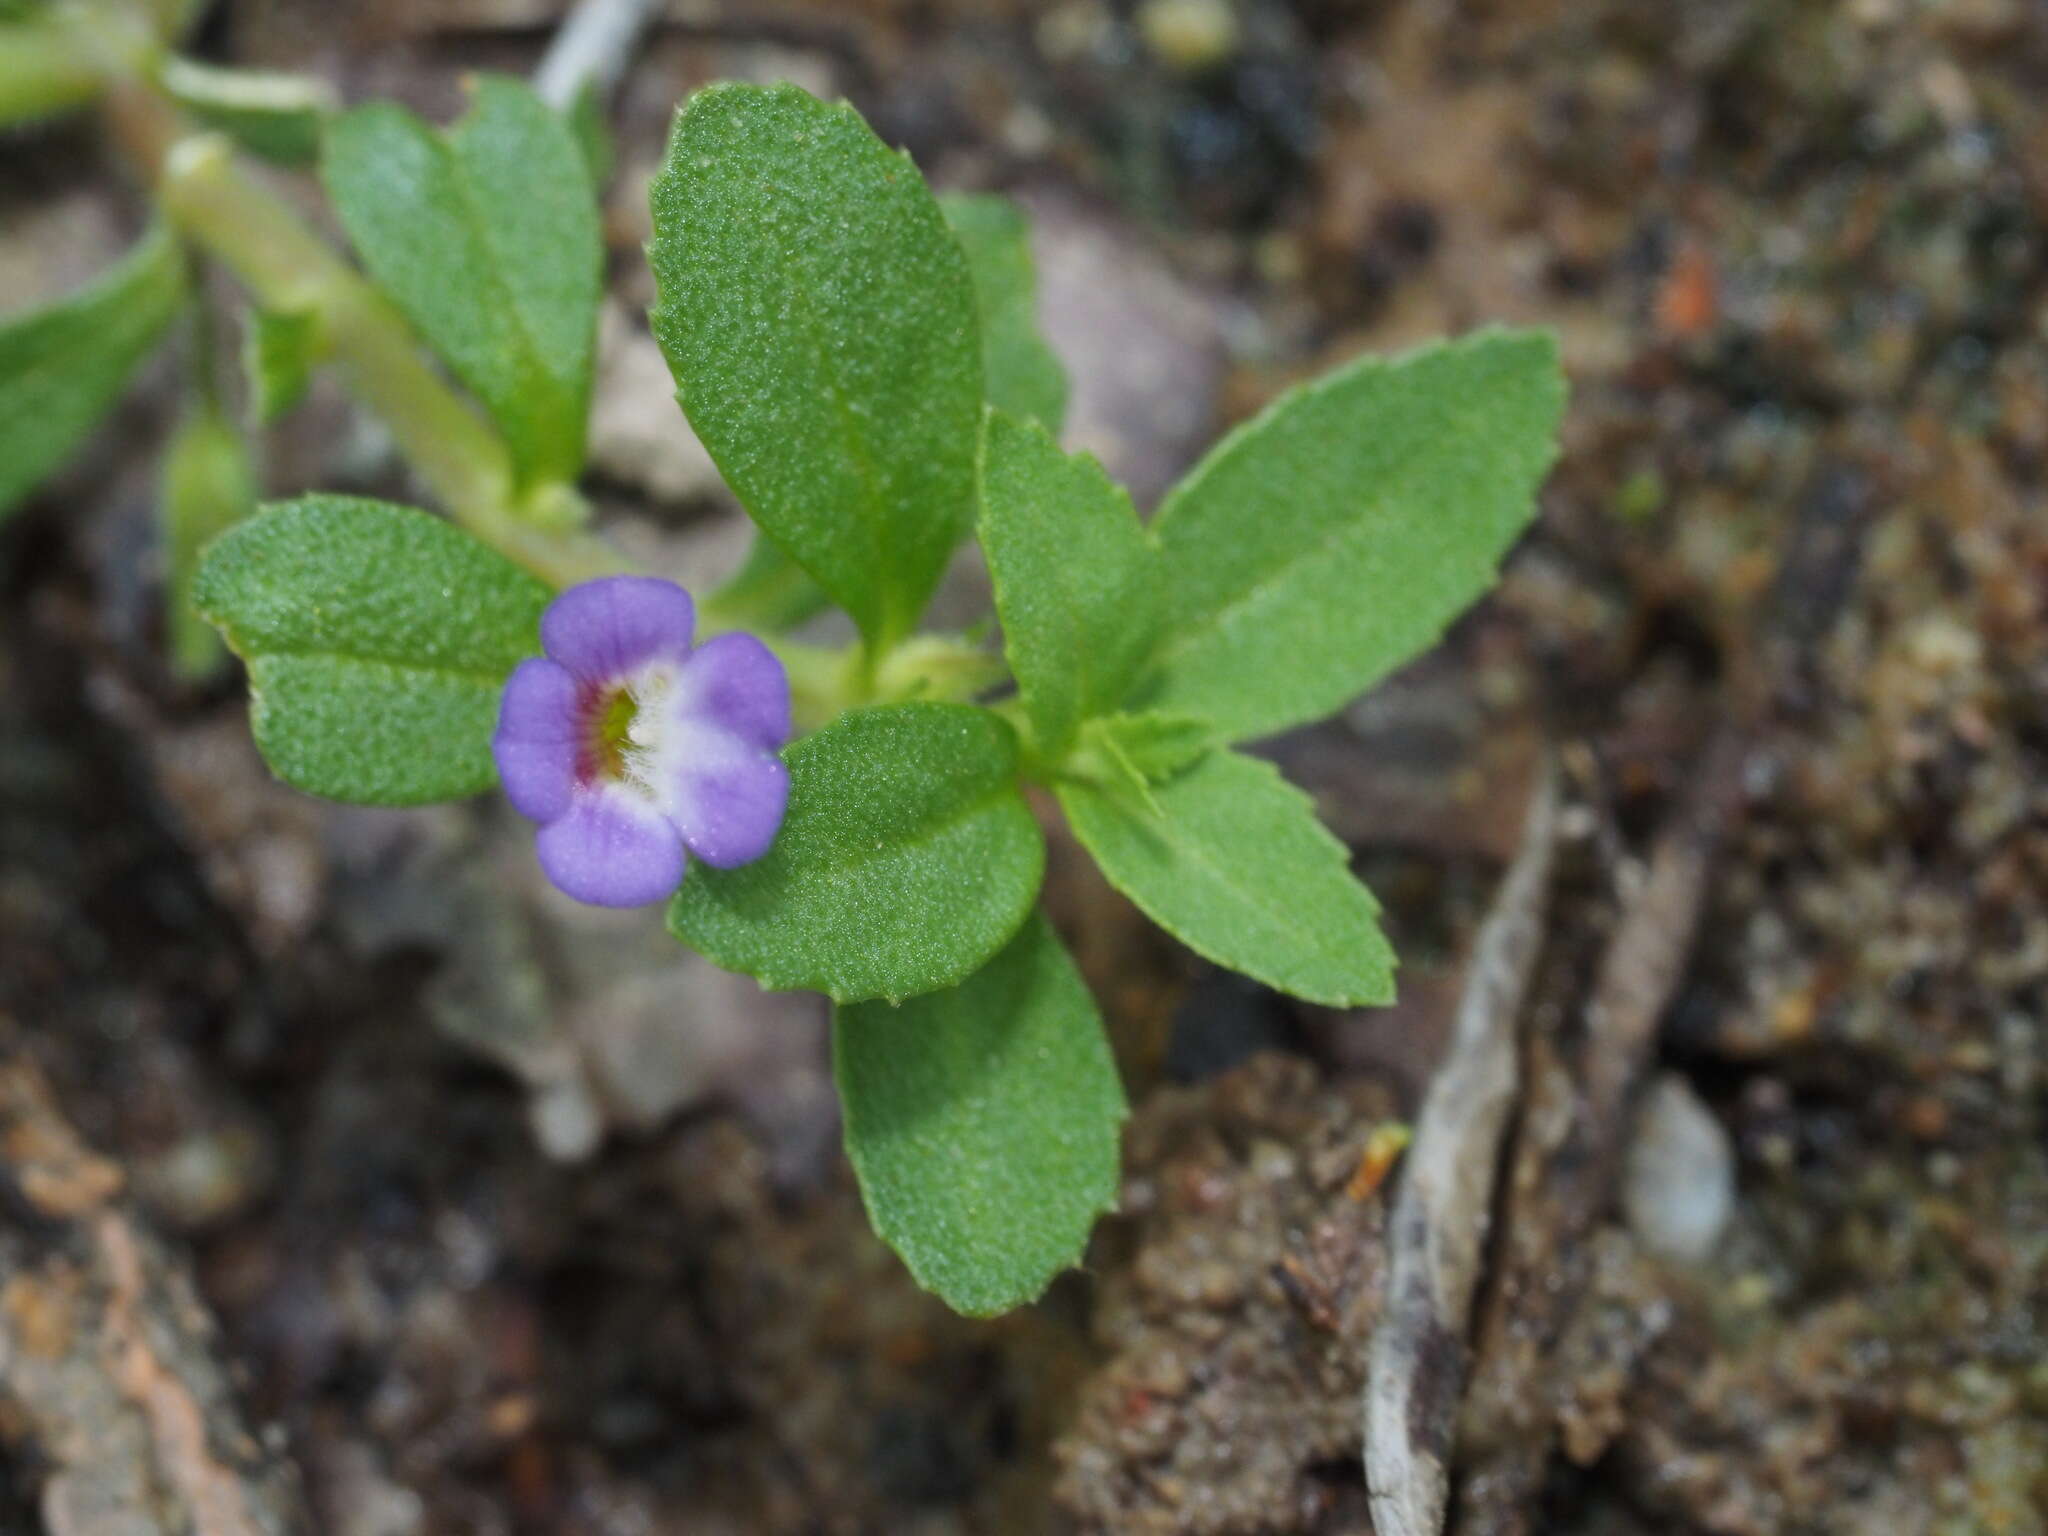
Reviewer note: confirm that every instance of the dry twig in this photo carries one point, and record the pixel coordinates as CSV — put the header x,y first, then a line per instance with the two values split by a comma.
x,y
592,48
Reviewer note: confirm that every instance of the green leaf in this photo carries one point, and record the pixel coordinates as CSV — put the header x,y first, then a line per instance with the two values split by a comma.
x,y
1024,376
1333,538
209,486
378,640
1233,863
907,859
277,116
982,1122
819,319
279,350
1078,584
61,367
487,239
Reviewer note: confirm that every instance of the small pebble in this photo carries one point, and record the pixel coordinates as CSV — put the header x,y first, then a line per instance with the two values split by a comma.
x,y
1679,1187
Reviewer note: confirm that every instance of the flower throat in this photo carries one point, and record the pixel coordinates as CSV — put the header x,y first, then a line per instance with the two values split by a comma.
x,y
611,736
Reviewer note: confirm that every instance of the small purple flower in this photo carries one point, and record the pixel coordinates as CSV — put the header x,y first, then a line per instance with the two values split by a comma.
x,y
628,745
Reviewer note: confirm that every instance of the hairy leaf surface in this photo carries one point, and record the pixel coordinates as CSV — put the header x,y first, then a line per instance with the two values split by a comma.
x,y
1024,376
378,639
820,322
1078,585
982,1122
906,860
487,239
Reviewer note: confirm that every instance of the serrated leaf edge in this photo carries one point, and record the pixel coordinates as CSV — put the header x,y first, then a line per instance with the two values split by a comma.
x,y
1179,640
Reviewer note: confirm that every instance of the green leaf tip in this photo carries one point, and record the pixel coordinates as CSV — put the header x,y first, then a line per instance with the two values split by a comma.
x,y
280,348
208,485
1024,376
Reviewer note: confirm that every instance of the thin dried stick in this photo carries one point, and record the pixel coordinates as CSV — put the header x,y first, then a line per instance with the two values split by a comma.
x,y
593,47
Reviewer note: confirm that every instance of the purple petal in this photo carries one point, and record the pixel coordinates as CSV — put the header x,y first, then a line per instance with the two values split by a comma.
x,y
536,740
735,683
603,629
611,851
728,798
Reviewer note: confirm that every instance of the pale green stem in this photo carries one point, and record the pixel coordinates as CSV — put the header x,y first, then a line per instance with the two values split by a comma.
x,y
43,69
825,682
222,209
290,270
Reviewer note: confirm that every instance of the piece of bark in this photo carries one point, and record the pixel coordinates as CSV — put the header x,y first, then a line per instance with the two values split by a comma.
x,y
1566,1155
109,1368
1576,1116
1416,1363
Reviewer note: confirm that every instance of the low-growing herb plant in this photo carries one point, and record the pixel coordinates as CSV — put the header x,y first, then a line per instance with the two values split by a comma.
x,y
859,358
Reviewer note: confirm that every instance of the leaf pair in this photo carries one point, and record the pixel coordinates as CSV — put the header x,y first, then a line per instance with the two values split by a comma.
x,y
486,237
377,640
1214,847
1311,553
818,324
982,1113
832,343
833,338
